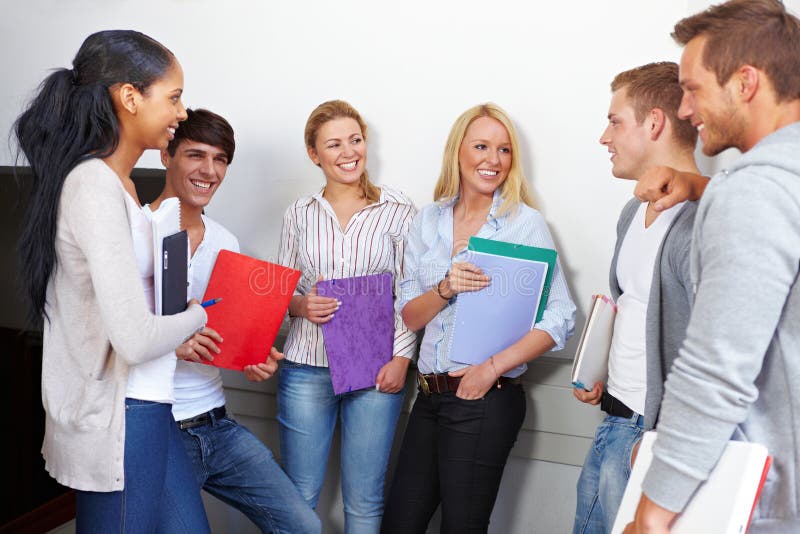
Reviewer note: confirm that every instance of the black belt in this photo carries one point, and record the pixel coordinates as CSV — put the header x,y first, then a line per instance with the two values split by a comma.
x,y
203,419
613,406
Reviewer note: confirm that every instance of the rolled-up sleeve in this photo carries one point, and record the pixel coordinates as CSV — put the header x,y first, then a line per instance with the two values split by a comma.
x,y
558,319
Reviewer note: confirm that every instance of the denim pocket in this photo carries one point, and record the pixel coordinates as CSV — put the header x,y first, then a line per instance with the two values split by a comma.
x,y
227,422
289,364
601,436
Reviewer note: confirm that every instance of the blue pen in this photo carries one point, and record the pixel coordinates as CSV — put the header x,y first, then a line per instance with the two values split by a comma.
x,y
210,302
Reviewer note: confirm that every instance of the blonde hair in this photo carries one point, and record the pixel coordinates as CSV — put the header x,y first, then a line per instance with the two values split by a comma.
x,y
338,109
515,187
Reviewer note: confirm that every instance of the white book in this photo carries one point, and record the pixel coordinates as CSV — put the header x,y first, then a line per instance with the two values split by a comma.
x,y
722,504
591,358
166,221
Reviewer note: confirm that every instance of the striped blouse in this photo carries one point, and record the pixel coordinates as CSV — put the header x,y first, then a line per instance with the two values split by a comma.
x,y
313,242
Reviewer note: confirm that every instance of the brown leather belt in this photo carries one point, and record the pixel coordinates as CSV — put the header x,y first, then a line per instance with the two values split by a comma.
x,y
442,383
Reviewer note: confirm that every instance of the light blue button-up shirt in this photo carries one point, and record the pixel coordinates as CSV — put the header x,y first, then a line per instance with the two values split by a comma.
x,y
427,259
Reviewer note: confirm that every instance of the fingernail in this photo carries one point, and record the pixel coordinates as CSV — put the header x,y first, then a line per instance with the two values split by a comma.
x,y
332,315
217,350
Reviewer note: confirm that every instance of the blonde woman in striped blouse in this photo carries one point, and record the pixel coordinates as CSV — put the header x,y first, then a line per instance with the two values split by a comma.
x,y
349,228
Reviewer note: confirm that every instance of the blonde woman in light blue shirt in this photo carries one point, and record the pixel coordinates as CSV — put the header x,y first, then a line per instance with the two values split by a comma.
x,y
466,417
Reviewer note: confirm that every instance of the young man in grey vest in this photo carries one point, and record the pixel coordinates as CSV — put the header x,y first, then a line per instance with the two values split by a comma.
x,y
649,282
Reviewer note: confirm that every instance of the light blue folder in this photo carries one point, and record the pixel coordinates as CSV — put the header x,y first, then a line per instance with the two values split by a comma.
x,y
497,316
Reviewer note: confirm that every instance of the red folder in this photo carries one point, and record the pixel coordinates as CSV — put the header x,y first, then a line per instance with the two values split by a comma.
x,y
255,296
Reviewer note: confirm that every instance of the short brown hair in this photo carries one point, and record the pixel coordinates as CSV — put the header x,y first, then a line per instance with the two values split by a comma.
x,y
760,33
339,109
203,126
656,85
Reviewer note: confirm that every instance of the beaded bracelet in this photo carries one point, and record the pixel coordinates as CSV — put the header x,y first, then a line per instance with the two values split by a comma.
x,y
438,291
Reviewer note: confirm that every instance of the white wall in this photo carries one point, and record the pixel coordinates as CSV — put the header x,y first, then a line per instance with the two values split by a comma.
x,y
411,68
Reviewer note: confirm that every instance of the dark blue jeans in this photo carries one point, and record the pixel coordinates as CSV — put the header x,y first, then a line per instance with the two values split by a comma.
x,y
236,467
160,493
453,452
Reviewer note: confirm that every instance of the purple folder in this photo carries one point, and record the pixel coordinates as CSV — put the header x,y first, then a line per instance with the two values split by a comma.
x,y
360,338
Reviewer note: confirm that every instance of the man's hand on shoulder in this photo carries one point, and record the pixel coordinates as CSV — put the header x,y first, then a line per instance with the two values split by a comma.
x,y
665,187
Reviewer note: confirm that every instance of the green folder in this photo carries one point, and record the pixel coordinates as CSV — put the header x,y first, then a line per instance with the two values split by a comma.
x,y
524,252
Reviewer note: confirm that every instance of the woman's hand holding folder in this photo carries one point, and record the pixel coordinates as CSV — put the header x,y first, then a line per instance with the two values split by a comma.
x,y
317,309
392,376
465,276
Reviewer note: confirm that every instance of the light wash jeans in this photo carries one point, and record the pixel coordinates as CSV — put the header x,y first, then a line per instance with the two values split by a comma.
x,y
605,473
307,413
160,493
236,467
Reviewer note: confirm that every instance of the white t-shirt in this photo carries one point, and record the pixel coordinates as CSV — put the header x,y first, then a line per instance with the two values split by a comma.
x,y
627,362
198,387
151,380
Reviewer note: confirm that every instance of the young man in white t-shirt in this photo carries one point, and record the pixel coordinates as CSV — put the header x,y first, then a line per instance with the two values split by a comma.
x,y
229,461
649,281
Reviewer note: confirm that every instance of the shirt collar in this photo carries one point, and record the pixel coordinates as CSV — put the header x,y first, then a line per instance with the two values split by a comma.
x,y
318,195
495,220
319,198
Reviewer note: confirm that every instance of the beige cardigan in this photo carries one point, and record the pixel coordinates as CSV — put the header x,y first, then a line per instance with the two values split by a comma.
x,y
99,326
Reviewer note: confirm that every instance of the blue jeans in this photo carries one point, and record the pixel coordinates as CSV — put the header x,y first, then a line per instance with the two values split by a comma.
x,y
237,468
307,413
605,473
160,494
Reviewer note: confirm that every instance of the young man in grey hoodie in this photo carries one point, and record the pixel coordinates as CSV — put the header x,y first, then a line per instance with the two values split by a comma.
x,y
738,372
649,281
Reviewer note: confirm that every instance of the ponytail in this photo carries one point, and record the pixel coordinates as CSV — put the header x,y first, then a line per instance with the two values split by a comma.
x,y
64,125
72,119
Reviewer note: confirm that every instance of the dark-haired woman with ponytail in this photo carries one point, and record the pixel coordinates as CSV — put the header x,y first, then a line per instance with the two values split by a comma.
x,y
86,256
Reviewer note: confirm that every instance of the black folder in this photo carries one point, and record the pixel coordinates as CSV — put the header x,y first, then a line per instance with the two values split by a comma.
x,y
174,273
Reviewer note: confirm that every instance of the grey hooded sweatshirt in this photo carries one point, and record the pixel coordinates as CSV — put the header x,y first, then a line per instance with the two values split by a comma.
x,y
737,375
